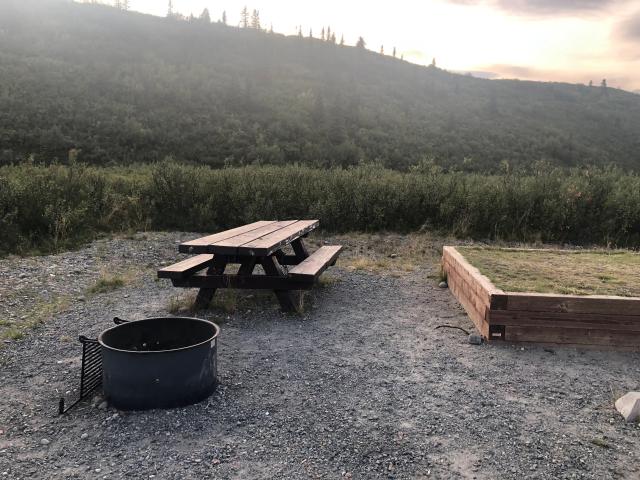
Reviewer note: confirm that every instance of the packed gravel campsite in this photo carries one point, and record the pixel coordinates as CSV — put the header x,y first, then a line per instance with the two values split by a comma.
x,y
363,382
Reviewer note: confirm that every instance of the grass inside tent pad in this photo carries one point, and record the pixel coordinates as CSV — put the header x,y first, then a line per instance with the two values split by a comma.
x,y
576,272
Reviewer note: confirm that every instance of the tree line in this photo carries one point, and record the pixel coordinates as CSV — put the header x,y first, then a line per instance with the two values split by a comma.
x,y
250,19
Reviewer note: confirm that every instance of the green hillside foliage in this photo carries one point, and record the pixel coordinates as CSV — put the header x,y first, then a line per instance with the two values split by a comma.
x,y
108,87
51,208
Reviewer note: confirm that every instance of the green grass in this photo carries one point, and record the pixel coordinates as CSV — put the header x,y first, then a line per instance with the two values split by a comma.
x,y
593,272
106,284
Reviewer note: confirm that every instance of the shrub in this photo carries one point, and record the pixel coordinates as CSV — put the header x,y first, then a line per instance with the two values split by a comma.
x,y
57,207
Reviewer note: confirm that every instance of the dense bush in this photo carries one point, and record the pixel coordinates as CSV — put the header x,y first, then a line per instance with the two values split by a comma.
x,y
56,207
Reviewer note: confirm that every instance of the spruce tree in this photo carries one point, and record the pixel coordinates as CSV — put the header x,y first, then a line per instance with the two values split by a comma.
x,y
244,18
361,43
381,49
394,52
342,40
328,34
255,20
205,17
224,17
322,34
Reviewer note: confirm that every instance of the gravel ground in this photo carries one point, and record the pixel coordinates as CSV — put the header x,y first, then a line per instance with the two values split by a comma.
x,y
359,386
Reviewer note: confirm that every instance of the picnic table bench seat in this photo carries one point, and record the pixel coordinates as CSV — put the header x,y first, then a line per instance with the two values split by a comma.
x,y
311,268
260,243
186,268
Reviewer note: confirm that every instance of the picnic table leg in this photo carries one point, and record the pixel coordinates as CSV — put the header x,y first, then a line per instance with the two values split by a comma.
x,y
247,266
300,249
206,294
287,298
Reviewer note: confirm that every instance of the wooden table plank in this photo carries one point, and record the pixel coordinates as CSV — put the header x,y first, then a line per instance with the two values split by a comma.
x,y
232,245
317,263
199,245
186,267
268,244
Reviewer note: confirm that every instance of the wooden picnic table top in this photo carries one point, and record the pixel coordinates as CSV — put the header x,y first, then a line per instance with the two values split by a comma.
x,y
258,239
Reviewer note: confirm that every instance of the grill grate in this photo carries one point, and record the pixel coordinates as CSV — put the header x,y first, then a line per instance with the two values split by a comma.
x,y
91,371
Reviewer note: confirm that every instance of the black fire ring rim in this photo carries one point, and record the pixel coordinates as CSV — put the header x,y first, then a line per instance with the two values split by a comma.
x,y
152,352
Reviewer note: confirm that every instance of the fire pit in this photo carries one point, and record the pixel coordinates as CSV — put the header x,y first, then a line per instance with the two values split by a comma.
x,y
159,362
162,362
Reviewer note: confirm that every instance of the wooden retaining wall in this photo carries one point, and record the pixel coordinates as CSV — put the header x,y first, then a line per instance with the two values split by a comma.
x,y
537,317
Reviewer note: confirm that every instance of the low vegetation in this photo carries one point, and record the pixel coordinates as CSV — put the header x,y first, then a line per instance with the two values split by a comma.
x,y
182,303
391,254
15,329
596,272
108,282
51,208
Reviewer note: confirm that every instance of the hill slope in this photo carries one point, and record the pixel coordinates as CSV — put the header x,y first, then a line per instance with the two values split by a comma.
x,y
124,87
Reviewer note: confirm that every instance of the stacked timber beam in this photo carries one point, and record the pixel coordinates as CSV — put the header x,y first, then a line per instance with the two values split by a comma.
x,y
540,317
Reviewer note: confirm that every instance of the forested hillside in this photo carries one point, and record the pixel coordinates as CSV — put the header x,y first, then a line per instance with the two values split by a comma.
x,y
111,87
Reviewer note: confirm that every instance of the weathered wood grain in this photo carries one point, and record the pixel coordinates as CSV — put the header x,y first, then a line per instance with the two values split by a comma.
x,y
604,304
559,319
199,245
543,318
186,267
316,263
268,244
574,336
463,290
235,245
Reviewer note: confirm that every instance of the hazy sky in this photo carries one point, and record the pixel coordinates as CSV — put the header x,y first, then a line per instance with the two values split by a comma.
x,y
566,40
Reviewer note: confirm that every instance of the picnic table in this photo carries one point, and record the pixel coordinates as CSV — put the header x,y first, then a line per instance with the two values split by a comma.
x,y
259,243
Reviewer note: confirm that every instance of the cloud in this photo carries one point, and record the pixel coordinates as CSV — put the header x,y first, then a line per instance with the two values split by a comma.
x,y
555,6
545,7
629,28
625,35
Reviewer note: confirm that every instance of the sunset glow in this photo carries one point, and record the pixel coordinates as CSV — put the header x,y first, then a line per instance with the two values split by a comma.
x,y
572,41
